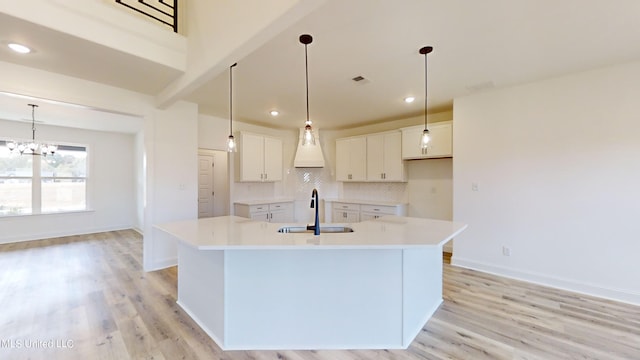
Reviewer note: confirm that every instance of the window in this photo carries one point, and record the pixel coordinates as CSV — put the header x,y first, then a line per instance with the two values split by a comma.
x,y
37,184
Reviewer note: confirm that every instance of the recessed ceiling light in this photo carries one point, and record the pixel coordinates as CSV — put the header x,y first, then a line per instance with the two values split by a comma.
x,y
274,112
409,99
19,48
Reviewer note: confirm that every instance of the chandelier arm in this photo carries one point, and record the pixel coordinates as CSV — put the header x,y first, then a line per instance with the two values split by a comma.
x,y
33,122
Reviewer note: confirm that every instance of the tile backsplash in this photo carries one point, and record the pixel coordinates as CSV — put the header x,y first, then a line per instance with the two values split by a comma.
x,y
396,192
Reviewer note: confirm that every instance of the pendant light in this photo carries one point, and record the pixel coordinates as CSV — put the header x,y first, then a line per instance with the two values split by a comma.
x,y
231,141
308,138
33,147
425,138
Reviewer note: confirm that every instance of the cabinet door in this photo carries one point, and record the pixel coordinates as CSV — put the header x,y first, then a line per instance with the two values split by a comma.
x,y
411,143
345,216
272,159
260,216
251,157
342,159
392,158
441,136
280,216
358,158
353,216
376,157
439,147
368,216
281,212
351,159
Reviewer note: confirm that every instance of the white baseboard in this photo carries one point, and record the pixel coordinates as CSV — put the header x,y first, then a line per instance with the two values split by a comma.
x,y
551,281
63,233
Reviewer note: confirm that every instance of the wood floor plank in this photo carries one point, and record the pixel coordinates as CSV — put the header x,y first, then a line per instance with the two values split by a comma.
x,y
90,291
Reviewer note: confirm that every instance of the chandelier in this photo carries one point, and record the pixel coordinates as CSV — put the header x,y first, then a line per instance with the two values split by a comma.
x,y
32,147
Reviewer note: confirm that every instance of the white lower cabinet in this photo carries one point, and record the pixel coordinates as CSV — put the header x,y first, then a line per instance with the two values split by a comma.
x,y
370,212
347,212
280,212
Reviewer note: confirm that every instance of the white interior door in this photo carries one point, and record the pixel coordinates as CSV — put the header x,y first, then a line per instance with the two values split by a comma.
x,y
205,185
220,183
213,183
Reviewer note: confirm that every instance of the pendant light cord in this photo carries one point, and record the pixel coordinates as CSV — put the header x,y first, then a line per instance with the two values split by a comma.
x,y
306,69
425,91
231,98
424,51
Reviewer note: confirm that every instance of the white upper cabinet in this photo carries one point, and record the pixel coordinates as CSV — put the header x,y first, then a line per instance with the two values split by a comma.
x,y
384,157
272,159
351,159
260,158
440,145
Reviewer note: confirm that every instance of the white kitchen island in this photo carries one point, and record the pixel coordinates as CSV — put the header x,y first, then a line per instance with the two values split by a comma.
x,y
250,287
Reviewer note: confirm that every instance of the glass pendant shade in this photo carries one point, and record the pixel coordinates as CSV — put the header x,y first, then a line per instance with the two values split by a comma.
x,y
424,139
308,138
231,144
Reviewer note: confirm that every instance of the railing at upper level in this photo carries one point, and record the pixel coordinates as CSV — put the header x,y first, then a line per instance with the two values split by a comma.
x,y
163,11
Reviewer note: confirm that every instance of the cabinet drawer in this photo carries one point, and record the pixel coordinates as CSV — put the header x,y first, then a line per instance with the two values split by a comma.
x,y
281,206
258,208
346,206
375,209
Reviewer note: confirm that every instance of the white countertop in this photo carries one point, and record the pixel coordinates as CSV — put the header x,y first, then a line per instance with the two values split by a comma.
x,y
238,233
367,202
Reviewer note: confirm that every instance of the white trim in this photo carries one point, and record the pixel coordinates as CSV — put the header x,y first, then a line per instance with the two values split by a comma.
x,y
11,216
555,282
56,234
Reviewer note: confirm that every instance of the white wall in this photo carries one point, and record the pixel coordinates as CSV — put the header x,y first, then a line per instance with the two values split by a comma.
x,y
221,32
557,168
171,145
429,185
168,143
106,24
110,185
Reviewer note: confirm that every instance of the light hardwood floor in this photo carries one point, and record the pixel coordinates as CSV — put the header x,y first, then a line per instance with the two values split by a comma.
x,y
88,298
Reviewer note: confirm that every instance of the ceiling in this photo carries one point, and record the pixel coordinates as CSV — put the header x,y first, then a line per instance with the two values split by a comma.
x,y
478,45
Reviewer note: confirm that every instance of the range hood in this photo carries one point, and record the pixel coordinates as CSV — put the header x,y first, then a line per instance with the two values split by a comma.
x,y
308,156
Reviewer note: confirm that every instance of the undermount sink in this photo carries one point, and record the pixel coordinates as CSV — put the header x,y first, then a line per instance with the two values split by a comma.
x,y
323,229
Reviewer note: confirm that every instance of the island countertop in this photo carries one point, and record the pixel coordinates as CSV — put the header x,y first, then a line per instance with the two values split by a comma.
x,y
233,232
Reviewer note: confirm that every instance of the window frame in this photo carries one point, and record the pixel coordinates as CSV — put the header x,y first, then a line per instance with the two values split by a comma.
x,y
37,181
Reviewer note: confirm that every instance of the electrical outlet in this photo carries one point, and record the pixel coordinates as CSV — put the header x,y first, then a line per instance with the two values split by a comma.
x,y
474,186
506,251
